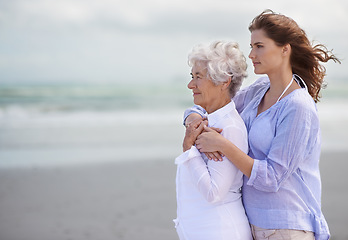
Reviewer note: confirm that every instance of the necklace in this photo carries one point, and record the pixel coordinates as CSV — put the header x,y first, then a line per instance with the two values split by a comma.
x,y
287,87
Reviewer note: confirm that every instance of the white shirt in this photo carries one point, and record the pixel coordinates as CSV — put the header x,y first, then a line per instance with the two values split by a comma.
x,y
209,202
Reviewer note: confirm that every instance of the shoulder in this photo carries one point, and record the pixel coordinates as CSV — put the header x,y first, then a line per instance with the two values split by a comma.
x,y
259,84
230,115
299,104
233,123
300,99
251,93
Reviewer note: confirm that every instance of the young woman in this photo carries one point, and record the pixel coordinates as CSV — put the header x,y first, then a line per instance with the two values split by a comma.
x,y
282,186
209,204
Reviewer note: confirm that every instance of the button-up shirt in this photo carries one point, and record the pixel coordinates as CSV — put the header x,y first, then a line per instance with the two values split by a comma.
x,y
209,202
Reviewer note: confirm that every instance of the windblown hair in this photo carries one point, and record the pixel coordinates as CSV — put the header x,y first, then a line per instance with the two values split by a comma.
x,y
304,59
222,60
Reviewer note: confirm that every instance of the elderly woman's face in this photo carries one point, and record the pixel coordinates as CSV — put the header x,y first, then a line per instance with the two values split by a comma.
x,y
205,92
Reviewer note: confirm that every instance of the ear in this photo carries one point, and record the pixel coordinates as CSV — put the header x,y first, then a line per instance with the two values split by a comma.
x,y
226,84
286,50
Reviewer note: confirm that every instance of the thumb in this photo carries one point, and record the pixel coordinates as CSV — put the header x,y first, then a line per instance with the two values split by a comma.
x,y
201,127
208,129
219,130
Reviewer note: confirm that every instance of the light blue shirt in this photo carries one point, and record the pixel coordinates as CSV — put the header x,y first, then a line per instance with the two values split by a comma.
x,y
284,189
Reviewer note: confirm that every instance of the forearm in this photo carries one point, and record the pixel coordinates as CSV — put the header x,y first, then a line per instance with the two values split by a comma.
x,y
187,144
193,129
240,159
213,180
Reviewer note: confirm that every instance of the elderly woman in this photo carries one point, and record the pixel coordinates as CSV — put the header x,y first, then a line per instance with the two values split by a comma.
x,y
209,204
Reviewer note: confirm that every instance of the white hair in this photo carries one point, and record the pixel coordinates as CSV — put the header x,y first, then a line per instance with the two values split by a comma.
x,y
222,60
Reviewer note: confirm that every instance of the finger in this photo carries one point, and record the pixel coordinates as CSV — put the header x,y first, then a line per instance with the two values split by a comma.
x,y
201,127
198,146
219,130
217,156
210,156
208,129
195,123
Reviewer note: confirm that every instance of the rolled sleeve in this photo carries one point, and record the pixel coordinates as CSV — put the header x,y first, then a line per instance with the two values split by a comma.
x,y
254,172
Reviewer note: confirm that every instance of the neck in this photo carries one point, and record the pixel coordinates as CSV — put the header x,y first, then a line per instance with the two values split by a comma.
x,y
221,102
279,80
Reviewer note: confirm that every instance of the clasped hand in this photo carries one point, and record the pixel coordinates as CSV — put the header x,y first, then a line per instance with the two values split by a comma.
x,y
205,138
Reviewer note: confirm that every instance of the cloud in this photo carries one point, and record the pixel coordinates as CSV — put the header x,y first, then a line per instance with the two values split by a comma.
x,y
110,39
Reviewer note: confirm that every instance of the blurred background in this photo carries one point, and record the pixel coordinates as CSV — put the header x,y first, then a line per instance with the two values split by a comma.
x,y
92,95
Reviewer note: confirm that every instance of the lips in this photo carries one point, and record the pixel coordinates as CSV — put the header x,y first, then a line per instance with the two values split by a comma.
x,y
256,63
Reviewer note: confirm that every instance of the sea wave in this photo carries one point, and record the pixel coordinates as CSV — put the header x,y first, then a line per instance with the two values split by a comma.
x,y
37,117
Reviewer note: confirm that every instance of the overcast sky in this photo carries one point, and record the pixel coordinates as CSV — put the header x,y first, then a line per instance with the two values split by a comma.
x,y
143,40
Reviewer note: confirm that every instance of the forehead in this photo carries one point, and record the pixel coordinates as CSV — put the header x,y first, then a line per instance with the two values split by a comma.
x,y
258,36
199,68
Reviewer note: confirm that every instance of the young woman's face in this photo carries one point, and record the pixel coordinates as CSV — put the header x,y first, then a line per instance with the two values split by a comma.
x,y
267,57
205,92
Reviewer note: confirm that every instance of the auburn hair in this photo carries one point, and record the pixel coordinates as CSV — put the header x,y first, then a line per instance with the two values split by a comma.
x,y
305,59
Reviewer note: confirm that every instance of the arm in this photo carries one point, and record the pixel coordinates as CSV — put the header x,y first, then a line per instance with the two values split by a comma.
x,y
289,147
191,116
297,134
193,129
214,179
212,141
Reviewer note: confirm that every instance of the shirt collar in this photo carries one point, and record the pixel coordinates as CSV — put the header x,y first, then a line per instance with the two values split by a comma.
x,y
216,116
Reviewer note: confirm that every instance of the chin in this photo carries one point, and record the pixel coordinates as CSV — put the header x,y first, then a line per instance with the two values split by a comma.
x,y
258,72
197,102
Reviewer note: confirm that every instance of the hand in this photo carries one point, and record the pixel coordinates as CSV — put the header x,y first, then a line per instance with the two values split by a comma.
x,y
209,141
216,156
191,118
218,130
192,131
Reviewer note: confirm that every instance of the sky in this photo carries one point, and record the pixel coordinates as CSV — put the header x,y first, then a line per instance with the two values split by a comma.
x,y
133,41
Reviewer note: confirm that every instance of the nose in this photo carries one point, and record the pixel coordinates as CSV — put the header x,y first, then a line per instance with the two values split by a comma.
x,y
251,54
190,85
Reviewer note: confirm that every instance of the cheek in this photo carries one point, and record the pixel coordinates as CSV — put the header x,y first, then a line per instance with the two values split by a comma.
x,y
213,92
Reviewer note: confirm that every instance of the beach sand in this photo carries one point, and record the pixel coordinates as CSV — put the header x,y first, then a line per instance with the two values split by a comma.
x,y
120,200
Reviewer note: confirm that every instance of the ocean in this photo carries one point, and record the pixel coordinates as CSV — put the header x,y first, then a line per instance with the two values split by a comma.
x,y
72,123
62,123
75,157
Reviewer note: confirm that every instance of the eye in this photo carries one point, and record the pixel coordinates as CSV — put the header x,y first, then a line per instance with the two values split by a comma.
x,y
259,46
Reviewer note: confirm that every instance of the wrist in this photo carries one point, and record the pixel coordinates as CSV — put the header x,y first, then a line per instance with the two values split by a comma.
x,y
186,145
224,146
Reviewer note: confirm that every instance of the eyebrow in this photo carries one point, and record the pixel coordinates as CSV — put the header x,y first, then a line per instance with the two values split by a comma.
x,y
256,43
197,73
